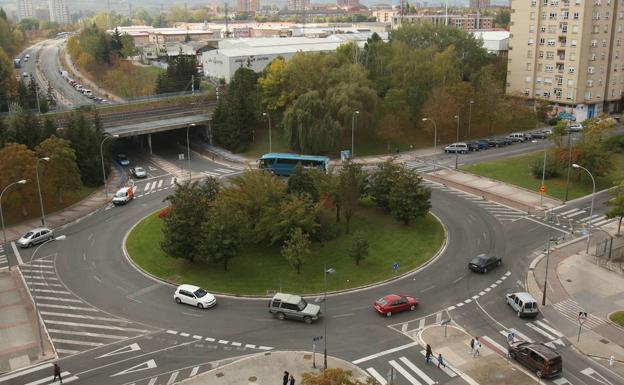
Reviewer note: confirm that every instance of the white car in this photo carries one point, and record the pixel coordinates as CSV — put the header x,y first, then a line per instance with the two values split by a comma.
x,y
456,147
35,236
138,172
194,296
576,127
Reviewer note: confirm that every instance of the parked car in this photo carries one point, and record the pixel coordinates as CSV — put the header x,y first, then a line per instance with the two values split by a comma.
x,y
35,236
456,147
547,131
507,140
539,134
194,296
393,303
483,144
517,137
473,146
575,127
24,74
542,360
122,160
522,303
138,172
482,263
496,142
528,136
293,307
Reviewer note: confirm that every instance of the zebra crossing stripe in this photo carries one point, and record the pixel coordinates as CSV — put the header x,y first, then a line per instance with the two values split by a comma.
x,y
417,370
78,316
52,291
577,213
210,173
173,377
173,180
550,329
404,372
86,334
522,336
224,170
74,342
152,381
194,371
604,222
446,369
93,326
67,307
568,212
160,183
147,186
378,377
540,331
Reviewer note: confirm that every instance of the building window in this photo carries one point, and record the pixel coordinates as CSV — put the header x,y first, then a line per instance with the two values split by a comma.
x,y
548,68
550,55
576,15
573,43
533,3
547,80
532,16
541,54
531,28
527,92
552,16
552,42
528,79
529,66
531,41
542,41
590,70
588,95
544,15
604,43
602,56
590,83
593,57
529,54
570,83
564,27
538,79
546,94
571,69
545,2
594,43
572,56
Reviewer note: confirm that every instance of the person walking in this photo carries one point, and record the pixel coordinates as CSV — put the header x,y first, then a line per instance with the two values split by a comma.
x,y
285,378
477,346
292,380
428,354
441,361
57,373
472,346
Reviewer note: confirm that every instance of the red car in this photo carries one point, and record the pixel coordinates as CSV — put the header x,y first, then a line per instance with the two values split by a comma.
x,y
393,303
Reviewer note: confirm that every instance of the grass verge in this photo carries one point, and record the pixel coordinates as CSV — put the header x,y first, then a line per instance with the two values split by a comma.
x,y
517,171
258,270
617,318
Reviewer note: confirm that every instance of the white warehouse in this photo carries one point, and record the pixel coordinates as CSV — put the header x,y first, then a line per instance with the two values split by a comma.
x,y
232,54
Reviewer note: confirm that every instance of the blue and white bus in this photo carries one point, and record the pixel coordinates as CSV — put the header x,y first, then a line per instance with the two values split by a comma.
x,y
284,164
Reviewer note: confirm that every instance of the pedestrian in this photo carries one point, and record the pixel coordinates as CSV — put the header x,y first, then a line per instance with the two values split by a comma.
x,y
472,346
292,380
428,354
57,373
285,378
441,361
477,346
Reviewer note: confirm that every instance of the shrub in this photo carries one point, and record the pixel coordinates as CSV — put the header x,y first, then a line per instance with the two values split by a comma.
x,y
164,212
551,168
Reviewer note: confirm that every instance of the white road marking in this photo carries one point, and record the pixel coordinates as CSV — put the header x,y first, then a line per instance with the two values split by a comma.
x,y
39,277
568,212
209,339
250,346
25,371
185,335
378,377
522,336
152,381
17,254
43,284
48,379
92,326
67,307
173,377
147,186
160,183
194,371
540,331
421,323
547,327
171,332
562,381
417,370
224,342
78,316
265,348
67,351
404,372
498,346
450,308
197,337
236,344
224,170
74,342
383,353
86,334
577,213
449,372
52,291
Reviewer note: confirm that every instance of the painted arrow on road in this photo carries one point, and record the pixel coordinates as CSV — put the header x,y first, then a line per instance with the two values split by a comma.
x,y
151,364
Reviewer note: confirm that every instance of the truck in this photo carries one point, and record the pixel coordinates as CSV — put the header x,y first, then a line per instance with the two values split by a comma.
x,y
123,195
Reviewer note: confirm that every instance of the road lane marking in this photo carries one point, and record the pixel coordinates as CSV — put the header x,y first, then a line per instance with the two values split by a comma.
x,y
160,183
171,332
173,377
540,331
378,377
49,379
210,339
74,342
68,351
67,307
224,342
24,372
79,316
550,329
92,326
51,291
236,344
417,370
39,277
250,346
185,335
194,371
404,372
17,254
86,334
385,352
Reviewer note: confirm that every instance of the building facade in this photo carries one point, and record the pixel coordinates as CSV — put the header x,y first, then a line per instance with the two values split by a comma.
x,y
247,6
384,15
569,52
465,22
58,11
24,9
475,4
298,5
348,4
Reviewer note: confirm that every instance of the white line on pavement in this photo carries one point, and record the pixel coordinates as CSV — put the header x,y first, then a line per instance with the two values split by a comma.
x,y
92,326
26,371
404,372
86,334
173,377
550,329
540,331
376,355
568,212
74,342
67,307
160,183
78,316
17,254
52,291
378,377
49,379
194,371
417,370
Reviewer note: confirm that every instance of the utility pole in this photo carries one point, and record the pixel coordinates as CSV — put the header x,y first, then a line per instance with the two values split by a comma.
x,y
108,19
227,32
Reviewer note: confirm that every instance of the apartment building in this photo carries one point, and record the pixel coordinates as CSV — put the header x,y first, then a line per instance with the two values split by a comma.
x,y
58,11
474,4
466,22
298,5
568,52
24,9
247,6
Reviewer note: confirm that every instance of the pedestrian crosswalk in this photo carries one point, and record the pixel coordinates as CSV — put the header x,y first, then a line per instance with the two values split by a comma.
x,y
574,219
570,310
72,324
412,326
175,376
4,261
36,375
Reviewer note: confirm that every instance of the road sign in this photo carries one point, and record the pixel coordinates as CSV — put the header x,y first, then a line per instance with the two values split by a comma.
x,y
582,317
345,155
180,156
317,338
395,266
542,189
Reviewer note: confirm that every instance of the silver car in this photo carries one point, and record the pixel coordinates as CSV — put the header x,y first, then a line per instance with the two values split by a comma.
x,y
293,307
35,236
138,172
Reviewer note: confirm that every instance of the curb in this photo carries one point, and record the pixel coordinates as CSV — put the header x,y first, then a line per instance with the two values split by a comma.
x,y
149,275
608,319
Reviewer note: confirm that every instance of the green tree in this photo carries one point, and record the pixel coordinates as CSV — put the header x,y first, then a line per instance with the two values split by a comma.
x,y
85,140
26,128
221,237
296,211
180,75
18,162
350,187
190,207
301,181
409,199
617,206
60,174
296,249
502,18
380,182
359,248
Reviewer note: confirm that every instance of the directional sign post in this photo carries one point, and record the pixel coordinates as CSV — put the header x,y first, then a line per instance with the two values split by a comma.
x,y
445,323
315,339
582,317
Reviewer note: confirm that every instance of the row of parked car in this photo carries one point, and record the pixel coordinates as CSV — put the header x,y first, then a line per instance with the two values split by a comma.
x,y
80,88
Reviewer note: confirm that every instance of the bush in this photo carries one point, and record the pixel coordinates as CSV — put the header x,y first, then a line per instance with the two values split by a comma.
x,y
164,212
553,121
328,227
551,168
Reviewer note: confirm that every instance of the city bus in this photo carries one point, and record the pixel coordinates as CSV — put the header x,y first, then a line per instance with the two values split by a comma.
x,y
284,164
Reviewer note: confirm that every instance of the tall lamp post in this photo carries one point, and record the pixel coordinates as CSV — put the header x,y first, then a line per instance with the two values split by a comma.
x,y
457,140
591,208
23,181
47,158
546,276
188,148
435,139
325,318
356,112
469,116
32,258
569,162
210,130
269,118
102,157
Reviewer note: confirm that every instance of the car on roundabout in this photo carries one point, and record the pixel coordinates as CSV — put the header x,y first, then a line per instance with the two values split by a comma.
x,y
194,296
138,172
393,303
483,262
35,236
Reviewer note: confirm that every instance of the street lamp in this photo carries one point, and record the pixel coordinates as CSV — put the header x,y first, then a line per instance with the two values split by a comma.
x,y
210,130
356,112
325,272
569,162
47,158
269,118
470,116
591,209
23,181
457,140
546,276
32,258
188,148
435,139
102,156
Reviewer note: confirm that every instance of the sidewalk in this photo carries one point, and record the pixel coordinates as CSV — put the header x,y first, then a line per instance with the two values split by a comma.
x,y
268,369
72,213
490,368
18,327
576,283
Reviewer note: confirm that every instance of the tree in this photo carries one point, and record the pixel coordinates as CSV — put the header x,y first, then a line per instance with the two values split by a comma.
x,y
222,237
296,211
333,377
296,248
25,128
617,204
302,182
190,205
350,186
85,140
60,174
380,182
397,118
180,72
18,162
409,199
359,248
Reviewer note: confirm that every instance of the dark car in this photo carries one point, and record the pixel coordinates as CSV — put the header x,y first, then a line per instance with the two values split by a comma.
x,y
122,160
482,263
539,134
542,360
496,142
393,303
483,144
507,141
473,146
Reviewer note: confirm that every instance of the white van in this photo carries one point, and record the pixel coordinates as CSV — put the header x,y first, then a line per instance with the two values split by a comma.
x,y
456,147
523,304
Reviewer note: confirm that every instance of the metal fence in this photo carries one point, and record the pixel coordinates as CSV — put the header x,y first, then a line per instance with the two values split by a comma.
x,y
609,254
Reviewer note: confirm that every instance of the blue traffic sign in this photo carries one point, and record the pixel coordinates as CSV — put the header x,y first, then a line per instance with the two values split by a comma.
x,y
395,266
